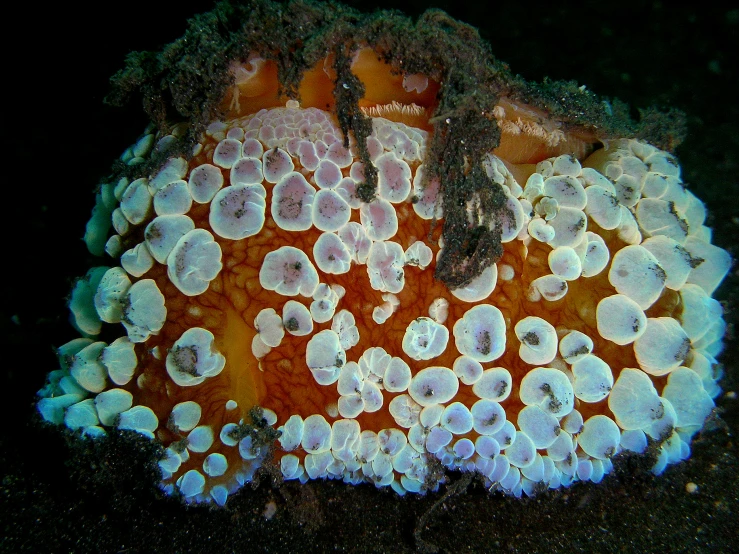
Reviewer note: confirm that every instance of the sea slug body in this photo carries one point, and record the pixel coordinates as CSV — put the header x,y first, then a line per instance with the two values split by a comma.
x,y
347,266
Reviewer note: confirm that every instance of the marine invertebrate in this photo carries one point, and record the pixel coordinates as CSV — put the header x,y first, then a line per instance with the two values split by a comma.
x,y
389,272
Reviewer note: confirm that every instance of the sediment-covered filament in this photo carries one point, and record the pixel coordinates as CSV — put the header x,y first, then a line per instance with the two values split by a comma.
x,y
253,276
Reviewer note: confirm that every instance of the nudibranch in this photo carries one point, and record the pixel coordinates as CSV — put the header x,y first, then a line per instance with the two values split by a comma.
x,y
356,247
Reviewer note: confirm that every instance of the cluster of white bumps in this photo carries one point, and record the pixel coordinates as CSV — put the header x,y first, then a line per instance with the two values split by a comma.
x,y
291,162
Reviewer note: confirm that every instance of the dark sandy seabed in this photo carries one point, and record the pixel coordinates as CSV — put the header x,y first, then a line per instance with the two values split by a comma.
x,y
62,495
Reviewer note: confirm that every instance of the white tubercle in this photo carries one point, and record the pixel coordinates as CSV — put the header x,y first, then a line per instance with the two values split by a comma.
x,y
120,223
397,376
325,300
327,175
194,262
200,440
456,418
539,425
439,310
355,238
292,433
227,153
393,178
110,403
600,437
419,254
534,187
522,452
565,263
258,348
237,212
636,273
575,345
511,219
385,266
163,233
136,202
329,212
343,324
566,190
379,219
110,294
415,82
488,417
119,358
716,263
350,385
551,287
140,419
691,402
289,272
203,183
347,189
193,358
331,254
699,312
672,257
467,369
383,312
486,447
405,412
83,415
290,467
144,312
506,272
269,326
316,434
620,319
344,439
662,347
538,340
296,319
596,257
173,198
481,333
480,287
494,384
634,440
306,151
247,171
540,230
634,400
137,260
392,441
428,197
572,422
292,203
548,388
430,416
657,216
173,169
593,379
86,368
276,163
185,416
425,339
628,229
433,385
215,464
325,357
603,207
570,225
82,303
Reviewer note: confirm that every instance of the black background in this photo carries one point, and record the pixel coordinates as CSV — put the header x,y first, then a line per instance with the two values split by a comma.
x,y
59,140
